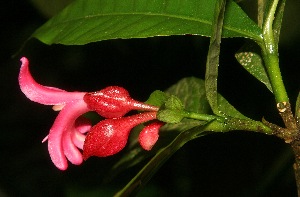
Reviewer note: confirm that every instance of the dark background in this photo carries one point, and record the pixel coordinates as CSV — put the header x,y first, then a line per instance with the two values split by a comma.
x,y
233,164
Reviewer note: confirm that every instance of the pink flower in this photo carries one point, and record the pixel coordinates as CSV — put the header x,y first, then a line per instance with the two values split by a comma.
x,y
66,134
109,136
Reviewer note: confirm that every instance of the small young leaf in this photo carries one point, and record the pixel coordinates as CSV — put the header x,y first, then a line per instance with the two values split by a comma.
x,y
174,103
171,111
191,91
86,21
249,57
157,98
169,116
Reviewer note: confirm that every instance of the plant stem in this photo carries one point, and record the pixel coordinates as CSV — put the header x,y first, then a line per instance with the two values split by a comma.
x,y
205,117
296,166
270,55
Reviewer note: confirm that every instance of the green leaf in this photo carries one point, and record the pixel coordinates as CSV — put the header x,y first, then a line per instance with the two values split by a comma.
x,y
261,7
249,56
227,110
174,103
278,21
170,116
297,110
184,125
171,111
86,21
212,62
157,98
278,15
191,92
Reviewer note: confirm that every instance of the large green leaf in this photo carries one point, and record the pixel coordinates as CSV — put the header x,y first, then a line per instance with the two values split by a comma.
x,y
297,109
86,21
212,62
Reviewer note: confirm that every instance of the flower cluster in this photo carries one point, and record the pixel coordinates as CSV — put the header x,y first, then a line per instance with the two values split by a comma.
x,y
71,132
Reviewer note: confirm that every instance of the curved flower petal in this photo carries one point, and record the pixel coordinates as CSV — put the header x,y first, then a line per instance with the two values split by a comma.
x,y
64,122
70,150
43,94
78,138
82,125
109,136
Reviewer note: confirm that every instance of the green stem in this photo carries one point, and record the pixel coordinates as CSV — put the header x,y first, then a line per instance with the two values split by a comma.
x,y
270,55
205,117
227,124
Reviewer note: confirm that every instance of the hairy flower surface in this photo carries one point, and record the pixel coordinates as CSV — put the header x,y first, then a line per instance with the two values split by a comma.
x,y
114,102
149,135
109,136
64,137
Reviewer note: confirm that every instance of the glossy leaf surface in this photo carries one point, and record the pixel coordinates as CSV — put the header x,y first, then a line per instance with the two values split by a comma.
x,y
86,21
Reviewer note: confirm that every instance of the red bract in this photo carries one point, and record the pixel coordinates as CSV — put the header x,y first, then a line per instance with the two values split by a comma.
x,y
114,102
149,135
110,136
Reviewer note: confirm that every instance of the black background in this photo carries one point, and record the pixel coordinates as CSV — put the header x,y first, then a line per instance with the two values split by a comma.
x,y
233,164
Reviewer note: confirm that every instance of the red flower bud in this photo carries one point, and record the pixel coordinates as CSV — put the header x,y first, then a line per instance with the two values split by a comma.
x,y
149,135
114,102
109,136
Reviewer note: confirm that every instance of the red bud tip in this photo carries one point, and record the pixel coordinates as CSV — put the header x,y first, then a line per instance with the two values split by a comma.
x,y
114,102
149,135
